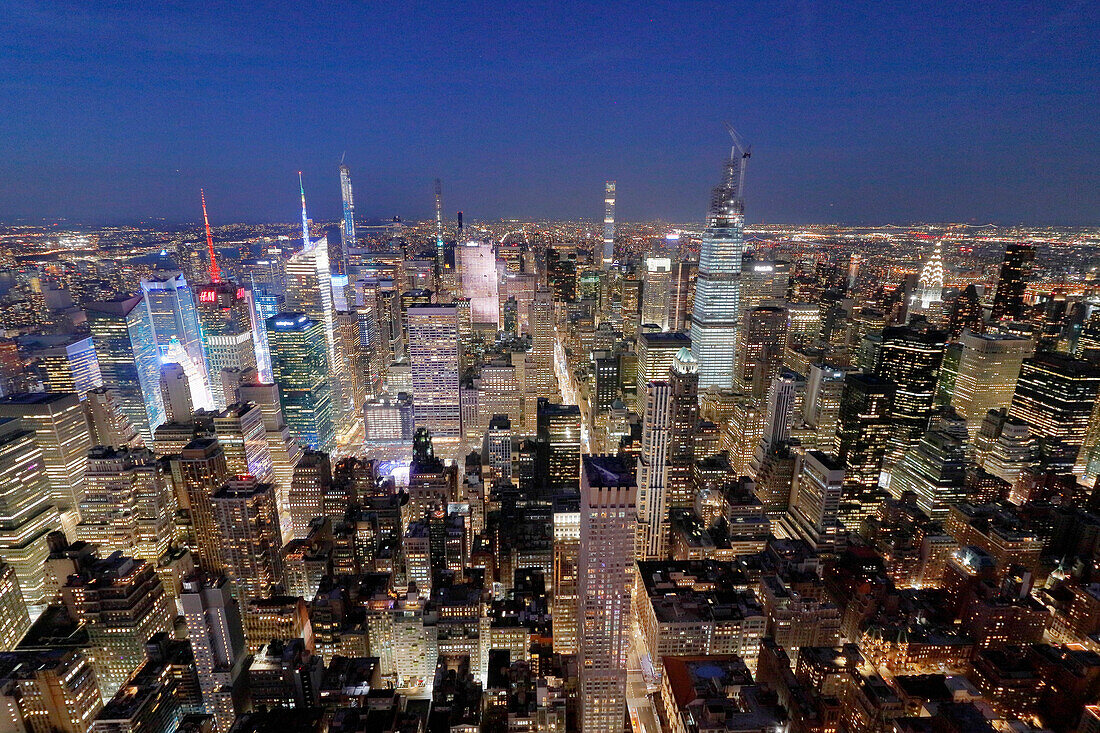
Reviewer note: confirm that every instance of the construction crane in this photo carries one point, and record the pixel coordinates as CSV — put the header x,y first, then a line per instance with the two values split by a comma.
x,y
738,162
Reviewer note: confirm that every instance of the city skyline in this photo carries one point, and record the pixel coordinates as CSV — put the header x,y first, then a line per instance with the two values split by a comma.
x,y
858,115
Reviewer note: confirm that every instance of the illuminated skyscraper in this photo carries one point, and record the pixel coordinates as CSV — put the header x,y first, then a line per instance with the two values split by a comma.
x,y
433,355
217,639
864,431
816,496
683,382
300,364
656,353
172,310
567,539
930,282
824,388
655,292
608,520
966,313
1008,301
228,338
67,363
988,368
284,450
652,472
539,374
14,619
199,471
241,433
559,436
129,360
935,470
477,272
608,224
764,282
250,536
760,358
716,313
910,358
347,232
61,432
1055,396
130,506
681,295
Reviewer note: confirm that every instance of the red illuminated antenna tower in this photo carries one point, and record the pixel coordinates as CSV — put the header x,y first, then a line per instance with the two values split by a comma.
x,y
215,273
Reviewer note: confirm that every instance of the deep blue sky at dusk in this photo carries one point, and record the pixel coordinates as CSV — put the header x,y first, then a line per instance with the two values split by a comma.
x,y
857,112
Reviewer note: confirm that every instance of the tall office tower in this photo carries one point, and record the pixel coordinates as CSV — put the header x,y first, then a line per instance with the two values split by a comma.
x,y
433,356
863,436
197,472
171,305
309,291
498,393
608,224
215,631
763,341
14,619
284,450
496,451
66,363
567,546
716,314
935,470
106,421
656,353
176,393
250,536
1008,301
559,436
352,366
655,292
129,505
652,473
824,388
539,376
440,261
312,482
347,232
815,509
241,433
228,337
477,273
561,274
782,401
744,431
61,432
764,282
930,282
129,360
988,368
608,517
299,360
27,515
631,306
683,382
681,295
122,604
966,313
910,358
1055,396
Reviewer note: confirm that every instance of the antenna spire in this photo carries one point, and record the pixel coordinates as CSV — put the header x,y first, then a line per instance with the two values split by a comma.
x,y
215,273
305,219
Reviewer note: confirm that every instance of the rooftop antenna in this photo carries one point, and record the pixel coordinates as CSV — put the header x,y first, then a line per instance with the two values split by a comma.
x,y
215,273
740,153
305,219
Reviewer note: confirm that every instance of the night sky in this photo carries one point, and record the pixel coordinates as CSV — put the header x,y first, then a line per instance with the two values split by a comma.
x,y
857,112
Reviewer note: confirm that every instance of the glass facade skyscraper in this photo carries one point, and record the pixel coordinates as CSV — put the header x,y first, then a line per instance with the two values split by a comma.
x,y
299,358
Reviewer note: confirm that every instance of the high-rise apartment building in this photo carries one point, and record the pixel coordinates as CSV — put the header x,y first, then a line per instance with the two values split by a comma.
x,y
347,231
477,274
816,496
652,472
215,632
608,224
241,433
250,535
284,450
986,379
129,505
433,355
716,313
299,360
61,432
608,517
824,387
1008,300
129,360
27,515
49,690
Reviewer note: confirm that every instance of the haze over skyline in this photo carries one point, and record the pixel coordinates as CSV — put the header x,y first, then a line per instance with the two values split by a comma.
x,y
856,112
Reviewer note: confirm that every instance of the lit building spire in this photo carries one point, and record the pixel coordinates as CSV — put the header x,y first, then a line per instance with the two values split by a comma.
x,y
305,219
931,278
215,273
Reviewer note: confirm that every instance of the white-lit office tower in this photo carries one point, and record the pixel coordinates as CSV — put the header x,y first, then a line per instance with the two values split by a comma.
x,y
497,450
171,305
764,282
347,231
129,504
250,535
910,358
567,547
784,398
652,472
176,393
608,524
824,387
216,634
15,622
66,363
353,368
241,433
656,354
655,292
716,313
814,513
284,450
61,432
129,360
539,372
197,472
477,272
228,335
763,342
608,224
301,368
681,295
309,289
106,421
499,392
433,356
27,514
988,369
